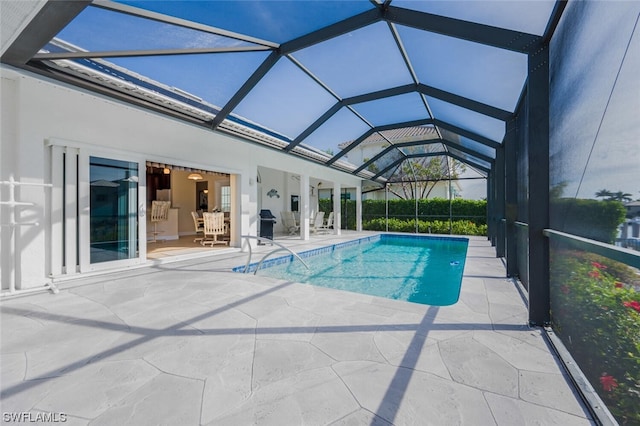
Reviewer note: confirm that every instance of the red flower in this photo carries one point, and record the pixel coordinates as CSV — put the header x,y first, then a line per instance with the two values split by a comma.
x,y
633,305
594,274
598,265
608,382
618,284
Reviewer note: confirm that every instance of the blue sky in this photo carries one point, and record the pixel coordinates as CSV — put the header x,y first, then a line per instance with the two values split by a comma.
x,y
287,100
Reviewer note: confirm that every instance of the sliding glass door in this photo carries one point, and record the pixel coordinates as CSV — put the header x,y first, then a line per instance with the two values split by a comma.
x,y
113,210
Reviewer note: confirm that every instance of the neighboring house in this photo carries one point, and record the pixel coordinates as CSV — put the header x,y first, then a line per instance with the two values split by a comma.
x,y
633,209
378,142
629,230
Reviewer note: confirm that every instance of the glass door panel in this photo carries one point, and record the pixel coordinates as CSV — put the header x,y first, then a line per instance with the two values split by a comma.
x,y
113,210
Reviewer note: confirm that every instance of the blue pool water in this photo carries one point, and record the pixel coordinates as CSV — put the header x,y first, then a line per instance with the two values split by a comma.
x,y
418,269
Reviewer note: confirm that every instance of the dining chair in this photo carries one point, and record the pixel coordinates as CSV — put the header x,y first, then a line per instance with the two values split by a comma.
x,y
198,224
214,226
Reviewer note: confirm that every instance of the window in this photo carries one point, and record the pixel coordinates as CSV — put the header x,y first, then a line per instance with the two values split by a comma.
x,y
225,199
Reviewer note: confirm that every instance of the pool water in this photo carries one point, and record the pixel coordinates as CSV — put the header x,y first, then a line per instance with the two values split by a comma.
x,y
425,270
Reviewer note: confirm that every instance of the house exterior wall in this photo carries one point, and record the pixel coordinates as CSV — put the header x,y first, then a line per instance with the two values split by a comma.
x,y
36,111
365,151
287,185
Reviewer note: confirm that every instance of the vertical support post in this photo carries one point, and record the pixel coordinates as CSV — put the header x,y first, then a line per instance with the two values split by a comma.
x,y
490,207
386,206
337,213
511,197
244,193
415,196
450,196
359,208
499,201
304,207
538,148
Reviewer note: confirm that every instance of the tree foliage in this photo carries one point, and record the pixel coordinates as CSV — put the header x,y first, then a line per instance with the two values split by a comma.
x,y
591,219
607,195
416,178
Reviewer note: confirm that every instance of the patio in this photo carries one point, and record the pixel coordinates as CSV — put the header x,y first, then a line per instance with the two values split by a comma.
x,y
190,343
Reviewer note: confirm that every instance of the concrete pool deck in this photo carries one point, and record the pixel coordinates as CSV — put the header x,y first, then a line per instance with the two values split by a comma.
x,y
189,343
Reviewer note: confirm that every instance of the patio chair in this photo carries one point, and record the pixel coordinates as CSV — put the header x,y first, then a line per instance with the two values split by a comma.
x,y
318,221
214,226
289,222
329,225
198,224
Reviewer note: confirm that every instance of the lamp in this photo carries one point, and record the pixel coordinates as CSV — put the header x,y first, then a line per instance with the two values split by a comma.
x,y
166,171
195,176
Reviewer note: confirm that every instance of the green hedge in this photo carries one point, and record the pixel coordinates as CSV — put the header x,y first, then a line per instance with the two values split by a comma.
x,y
433,208
593,219
469,216
458,227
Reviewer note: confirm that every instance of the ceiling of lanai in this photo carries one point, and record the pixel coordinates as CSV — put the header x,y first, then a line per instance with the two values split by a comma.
x,y
304,77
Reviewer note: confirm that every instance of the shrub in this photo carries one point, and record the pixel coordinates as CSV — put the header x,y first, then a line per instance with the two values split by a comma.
x,y
593,219
596,312
458,227
428,210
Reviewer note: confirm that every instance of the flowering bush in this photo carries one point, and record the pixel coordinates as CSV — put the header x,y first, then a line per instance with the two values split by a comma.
x,y
595,307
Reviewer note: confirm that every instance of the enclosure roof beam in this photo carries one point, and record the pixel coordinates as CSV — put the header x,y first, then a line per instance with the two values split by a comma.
x,y
49,21
153,52
449,154
478,33
463,102
175,21
248,85
467,134
356,142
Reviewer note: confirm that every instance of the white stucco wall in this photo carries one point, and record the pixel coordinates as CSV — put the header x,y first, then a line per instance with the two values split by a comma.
x,y
35,110
285,184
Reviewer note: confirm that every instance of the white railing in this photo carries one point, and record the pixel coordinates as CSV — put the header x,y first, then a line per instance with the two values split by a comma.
x,y
270,241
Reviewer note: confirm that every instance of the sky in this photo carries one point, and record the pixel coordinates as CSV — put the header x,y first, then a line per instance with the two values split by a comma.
x,y
595,104
288,101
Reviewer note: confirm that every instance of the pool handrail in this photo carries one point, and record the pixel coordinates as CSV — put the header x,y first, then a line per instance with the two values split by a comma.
x,y
270,241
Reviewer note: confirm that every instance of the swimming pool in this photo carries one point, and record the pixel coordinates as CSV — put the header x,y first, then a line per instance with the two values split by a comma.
x,y
420,269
